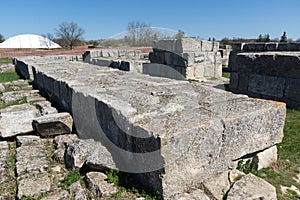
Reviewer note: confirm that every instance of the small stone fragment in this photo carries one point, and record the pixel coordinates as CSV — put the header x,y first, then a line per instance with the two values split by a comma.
x,y
96,183
252,187
77,192
53,124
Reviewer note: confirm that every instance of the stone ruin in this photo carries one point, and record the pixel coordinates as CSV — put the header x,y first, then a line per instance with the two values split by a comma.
x,y
182,59
185,58
267,70
122,59
167,135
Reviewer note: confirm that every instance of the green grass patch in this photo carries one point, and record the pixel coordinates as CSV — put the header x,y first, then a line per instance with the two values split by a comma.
x,y
226,74
290,147
17,102
71,177
115,177
8,76
5,61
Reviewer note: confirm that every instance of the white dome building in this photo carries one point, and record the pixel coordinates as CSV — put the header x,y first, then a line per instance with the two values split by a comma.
x,y
29,41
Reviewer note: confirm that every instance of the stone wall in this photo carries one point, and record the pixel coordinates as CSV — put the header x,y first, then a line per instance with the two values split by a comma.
x,y
260,47
270,71
126,60
225,52
187,58
166,134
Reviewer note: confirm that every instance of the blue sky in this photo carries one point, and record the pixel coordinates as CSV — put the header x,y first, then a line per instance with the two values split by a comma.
x,y
203,18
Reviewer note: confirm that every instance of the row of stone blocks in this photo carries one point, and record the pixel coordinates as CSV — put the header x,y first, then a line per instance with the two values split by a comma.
x,y
268,75
187,58
186,45
167,135
260,47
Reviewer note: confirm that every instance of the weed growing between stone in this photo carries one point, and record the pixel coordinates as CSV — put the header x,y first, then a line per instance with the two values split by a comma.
x,y
72,177
5,61
226,74
8,76
9,184
115,177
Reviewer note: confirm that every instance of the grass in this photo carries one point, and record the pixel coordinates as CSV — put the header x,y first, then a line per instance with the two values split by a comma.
x,y
17,102
226,74
290,147
5,61
114,176
8,76
8,188
71,177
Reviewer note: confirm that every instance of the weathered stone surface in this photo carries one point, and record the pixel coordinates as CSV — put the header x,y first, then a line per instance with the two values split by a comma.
x,y
77,192
252,187
45,107
77,153
169,134
218,185
3,152
62,195
7,67
88,152
34,185
28,140
199,55
196,194
96,183
54,124
17,120
31,159
32,99
266,158
271,75
235,175
8,97
61,142
2,88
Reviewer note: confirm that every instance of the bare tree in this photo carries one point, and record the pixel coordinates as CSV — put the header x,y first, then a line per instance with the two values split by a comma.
x,y
140,34
69,33
47,38
1,38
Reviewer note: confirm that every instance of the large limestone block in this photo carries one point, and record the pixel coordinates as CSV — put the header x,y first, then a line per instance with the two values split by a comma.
x,y
53,124
252,187
17,120
266,85
167,134
188,45
166,45
269,63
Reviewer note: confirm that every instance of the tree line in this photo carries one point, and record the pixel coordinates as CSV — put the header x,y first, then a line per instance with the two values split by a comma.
x,y
70,34
260,38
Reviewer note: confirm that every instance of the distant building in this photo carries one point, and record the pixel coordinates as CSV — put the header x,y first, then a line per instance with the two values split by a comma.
x,y
29,41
